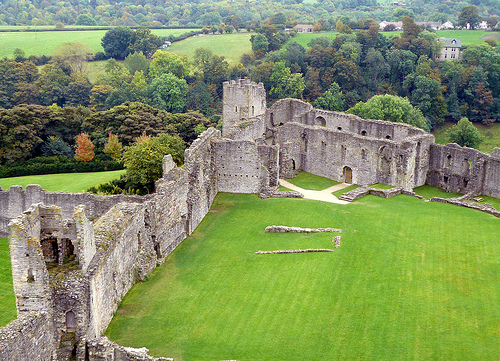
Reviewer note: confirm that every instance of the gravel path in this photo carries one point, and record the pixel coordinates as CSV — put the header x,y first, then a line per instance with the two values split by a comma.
x,y
324,195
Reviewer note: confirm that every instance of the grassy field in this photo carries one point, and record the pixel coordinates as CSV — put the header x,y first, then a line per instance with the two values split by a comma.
x,y
46,42
7,298
412,281
231,46
311,181
491,134
428,192
345,190
69,182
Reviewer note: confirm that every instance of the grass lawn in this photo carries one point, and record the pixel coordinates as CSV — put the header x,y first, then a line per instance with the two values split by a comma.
x,y
428,192
345,190
46,42
311,181
7,298
231,46
490,132
66,182
412,281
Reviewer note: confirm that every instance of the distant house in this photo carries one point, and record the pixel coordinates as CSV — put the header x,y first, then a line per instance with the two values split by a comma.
x,y
396,25
447,26
434,25
397,3
304,28
165,44
450,50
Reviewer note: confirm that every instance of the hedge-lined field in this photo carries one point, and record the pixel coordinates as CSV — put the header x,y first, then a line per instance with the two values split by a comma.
x,y
46,42
412,280
65,182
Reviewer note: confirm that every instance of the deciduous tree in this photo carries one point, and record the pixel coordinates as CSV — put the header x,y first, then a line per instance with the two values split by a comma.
x,y
465,134
84,148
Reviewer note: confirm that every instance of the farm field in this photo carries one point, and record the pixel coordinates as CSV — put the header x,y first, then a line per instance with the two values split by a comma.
x,y
412,280
46,42
65,182
491,134
231,46
7,298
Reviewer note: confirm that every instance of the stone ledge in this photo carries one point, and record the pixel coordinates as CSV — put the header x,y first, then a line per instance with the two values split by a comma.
x,y
285,229
286,251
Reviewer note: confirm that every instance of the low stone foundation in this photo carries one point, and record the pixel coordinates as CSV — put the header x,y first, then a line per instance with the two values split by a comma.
x,y
285,229
488,208
102,349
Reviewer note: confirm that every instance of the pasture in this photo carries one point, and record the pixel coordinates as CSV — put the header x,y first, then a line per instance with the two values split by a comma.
x,y
412,280
231,46
46,42
66,182
491,135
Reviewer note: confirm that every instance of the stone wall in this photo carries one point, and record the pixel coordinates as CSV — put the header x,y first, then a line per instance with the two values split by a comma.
x,y
30,337
464,170
200,167
102,349
16,200
244,166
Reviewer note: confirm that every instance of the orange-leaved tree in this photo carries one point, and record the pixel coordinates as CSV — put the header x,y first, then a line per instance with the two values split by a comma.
x,y
84,148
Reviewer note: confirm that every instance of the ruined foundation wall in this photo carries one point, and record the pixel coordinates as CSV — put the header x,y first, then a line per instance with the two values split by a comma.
x,y
464,170
245,167
16,200
29,337
200,168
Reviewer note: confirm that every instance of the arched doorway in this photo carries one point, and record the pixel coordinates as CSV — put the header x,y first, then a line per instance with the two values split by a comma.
x,y
70,321
320,121
347,175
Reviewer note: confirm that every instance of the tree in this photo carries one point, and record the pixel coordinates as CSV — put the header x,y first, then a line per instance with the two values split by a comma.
x,y
286,84
331,100
116,42
143,160
55,146
465,133
169,93
77,93
167,62
259,42
84,148
142,40
85,19
113,147
469,15
136,62
391,108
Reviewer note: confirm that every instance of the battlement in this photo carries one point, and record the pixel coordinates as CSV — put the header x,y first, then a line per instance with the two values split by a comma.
x,y
242,83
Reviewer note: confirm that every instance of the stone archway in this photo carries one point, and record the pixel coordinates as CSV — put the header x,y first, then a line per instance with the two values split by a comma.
x,y
347,175
320,121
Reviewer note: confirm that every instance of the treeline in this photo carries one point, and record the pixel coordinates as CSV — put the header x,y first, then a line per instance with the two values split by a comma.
x,y
156,13
40,132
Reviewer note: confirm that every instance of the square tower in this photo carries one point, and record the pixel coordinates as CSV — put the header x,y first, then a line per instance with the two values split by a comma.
x,y
243,100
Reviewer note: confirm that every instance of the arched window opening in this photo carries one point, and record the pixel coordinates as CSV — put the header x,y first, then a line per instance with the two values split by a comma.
x,y
363,133
320,121
339,128
236,109
388,137
253,110
449,159
363,154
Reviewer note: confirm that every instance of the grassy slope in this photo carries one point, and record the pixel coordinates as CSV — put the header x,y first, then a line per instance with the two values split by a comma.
x,y
7,298
231,46
70,182
404,285
45,42
311,181
491,133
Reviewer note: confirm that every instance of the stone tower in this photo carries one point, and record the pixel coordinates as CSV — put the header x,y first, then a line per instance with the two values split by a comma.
x,y
243,100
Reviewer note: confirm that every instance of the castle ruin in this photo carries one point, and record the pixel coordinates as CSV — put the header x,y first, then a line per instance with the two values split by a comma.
x,y
75,256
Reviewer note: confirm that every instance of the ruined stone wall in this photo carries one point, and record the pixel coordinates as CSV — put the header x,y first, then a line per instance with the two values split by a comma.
x,y
16,200
200,168
464,170
245,167
289,110
102,349
30,337
242,100
330,153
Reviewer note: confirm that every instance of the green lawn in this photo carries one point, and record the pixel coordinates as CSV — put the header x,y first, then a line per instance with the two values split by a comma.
x,y
45,42
412,281
490,132
231,46
311,181
7,298
345,190
428,192
68,182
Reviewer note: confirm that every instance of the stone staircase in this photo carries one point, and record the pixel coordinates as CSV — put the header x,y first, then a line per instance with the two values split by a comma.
x,y
354,194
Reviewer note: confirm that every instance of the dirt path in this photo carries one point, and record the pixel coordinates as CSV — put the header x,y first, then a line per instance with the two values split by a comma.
x,y
324,195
